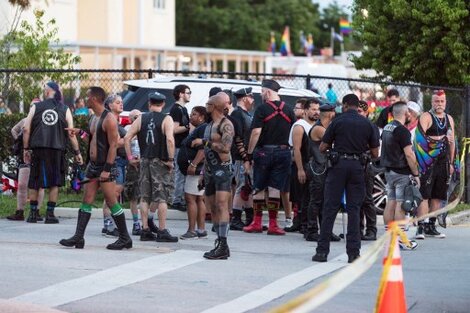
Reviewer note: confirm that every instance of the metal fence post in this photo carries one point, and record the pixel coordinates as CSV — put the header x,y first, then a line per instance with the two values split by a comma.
x,y
308,82
467,134
150,73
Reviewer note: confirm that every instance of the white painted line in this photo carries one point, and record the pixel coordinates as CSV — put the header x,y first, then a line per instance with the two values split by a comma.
x,y
280,287
110,279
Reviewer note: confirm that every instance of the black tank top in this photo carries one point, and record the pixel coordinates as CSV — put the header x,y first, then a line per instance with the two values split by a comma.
x,y
121,152
439,126
48,125
152,141
102,144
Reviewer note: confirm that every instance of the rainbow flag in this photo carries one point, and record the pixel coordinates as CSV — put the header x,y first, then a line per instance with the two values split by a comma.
x,y
285,42
272,44
344,26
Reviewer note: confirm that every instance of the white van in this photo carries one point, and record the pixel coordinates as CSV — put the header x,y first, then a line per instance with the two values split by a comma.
x,y
136,96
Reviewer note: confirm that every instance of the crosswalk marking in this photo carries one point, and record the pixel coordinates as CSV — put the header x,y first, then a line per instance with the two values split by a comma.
x,y
110,279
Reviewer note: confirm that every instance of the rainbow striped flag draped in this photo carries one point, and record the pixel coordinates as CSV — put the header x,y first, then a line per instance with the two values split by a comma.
x,y
272,44
285,42
427,149
344,26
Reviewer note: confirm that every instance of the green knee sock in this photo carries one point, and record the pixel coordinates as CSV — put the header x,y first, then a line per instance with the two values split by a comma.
x,y
85,207
116,210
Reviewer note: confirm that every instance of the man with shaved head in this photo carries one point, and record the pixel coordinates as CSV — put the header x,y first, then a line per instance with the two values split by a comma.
x,y
217,143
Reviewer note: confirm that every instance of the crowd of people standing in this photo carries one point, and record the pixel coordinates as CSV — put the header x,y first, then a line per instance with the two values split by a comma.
x,y
230,159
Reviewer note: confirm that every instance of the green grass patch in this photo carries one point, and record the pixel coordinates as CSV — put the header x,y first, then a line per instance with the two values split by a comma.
x,y
66,199
460,208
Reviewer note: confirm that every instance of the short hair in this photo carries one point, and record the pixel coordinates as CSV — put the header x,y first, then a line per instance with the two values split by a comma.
x,y
179,89
351,100
199,109
308,103
393,92
302,101
78,100
98,93
399,108
330,85
110,99
214,91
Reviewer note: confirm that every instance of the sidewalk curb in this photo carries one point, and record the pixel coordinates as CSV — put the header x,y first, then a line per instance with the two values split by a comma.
x,y
12,306
458,218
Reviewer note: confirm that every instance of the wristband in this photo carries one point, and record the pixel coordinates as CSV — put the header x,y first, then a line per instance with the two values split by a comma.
x,y
192,165
171,159
76,152
130,157
249,157
415,175
107,167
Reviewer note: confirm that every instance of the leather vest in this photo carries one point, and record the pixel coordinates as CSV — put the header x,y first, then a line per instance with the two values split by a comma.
x,y
152,141
48,126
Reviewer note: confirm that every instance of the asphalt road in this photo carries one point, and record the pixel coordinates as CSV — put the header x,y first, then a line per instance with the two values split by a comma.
x,y
262,272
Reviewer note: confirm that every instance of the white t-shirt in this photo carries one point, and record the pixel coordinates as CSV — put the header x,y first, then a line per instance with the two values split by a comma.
x,y
302,123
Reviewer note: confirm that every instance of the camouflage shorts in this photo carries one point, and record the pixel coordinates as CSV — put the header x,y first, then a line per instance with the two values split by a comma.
x,y
131,186
156,181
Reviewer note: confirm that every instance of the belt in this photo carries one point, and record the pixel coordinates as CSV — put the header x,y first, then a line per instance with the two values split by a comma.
x,y
276,147
347,156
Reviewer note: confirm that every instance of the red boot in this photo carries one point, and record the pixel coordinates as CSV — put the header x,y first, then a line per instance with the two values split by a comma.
x,y
256,226
273,227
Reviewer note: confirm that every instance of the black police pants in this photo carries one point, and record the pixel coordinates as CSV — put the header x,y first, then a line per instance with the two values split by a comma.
x,y
346,175
368,208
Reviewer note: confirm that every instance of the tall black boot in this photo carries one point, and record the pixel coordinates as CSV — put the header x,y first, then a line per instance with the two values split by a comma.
x,y
77,240
221,250
249,213
236,222
124,240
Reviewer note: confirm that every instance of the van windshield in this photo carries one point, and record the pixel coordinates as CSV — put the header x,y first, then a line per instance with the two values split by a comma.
x,y
137,98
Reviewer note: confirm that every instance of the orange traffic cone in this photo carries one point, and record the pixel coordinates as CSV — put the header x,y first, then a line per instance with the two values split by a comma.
x,y
391,297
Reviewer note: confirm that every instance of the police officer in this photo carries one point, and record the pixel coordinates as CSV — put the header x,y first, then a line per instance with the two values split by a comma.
x,y
350,135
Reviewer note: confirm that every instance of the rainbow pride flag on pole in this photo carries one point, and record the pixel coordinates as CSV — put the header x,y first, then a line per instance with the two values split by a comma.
x,y
344,26
285,42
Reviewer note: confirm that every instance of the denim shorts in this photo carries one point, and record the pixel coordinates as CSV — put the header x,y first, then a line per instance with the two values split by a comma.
x,y
272,168
396,184
121,164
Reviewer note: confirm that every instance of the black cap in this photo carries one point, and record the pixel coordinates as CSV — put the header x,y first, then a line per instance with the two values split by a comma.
x,y
214,91
327,107
243,92
156,96
351,99
270,84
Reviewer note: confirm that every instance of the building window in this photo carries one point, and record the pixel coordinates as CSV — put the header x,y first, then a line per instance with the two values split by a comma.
x,y
159,4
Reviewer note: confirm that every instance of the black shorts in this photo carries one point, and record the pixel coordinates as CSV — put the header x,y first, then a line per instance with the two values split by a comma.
x,y
94,170
47,169
218,178
434,183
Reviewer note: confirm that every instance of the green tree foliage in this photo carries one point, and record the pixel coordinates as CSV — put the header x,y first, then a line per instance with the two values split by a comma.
x,y
31,46
243,24
424,41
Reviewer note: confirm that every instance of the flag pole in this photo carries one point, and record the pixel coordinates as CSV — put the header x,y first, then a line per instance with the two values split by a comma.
x,y
332,41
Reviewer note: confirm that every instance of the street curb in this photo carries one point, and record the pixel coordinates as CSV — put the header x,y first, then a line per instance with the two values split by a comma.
x,y
458,218
12,306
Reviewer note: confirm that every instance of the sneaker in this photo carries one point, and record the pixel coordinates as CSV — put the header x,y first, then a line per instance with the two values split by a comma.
x,y
202,235
189,235
420,232
431,231
136,230
288,223
112,233
104,230
147,235
413,245
17,216
165,236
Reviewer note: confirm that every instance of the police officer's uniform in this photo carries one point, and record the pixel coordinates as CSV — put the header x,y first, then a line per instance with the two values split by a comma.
x,y
350,136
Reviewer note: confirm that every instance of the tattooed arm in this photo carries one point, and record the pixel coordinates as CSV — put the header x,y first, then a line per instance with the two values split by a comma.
x,y
225,143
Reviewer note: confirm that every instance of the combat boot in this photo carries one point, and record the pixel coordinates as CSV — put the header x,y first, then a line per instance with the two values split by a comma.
x,y
273,228
256,226
221,250
124,240
236,222
77,240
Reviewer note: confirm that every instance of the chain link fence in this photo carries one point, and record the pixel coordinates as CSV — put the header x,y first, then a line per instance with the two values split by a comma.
x,y
113,81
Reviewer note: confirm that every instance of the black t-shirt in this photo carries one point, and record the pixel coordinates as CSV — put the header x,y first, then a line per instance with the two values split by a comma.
x,y
180,114
276,130
241,121
385,117
351,133
401,138
188,153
